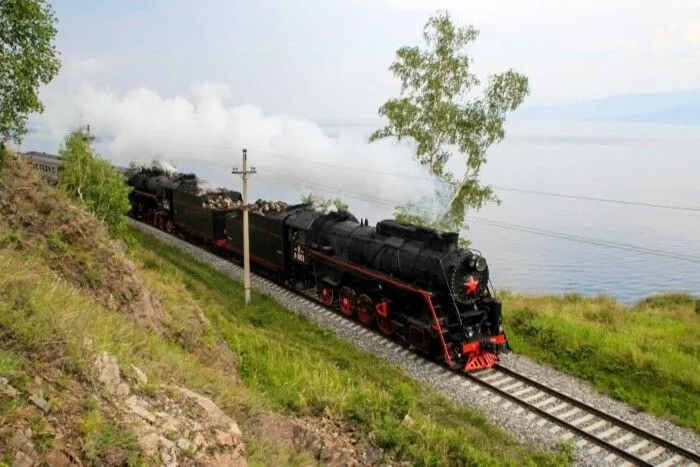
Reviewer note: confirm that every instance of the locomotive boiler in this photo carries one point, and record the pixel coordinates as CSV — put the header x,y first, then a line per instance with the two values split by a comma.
x,y
414,281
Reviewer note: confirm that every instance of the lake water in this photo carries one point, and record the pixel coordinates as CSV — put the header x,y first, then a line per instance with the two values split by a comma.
x,y
642,163
653,164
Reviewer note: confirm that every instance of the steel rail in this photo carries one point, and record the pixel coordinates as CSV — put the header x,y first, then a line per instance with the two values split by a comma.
x,y
620,452
601,414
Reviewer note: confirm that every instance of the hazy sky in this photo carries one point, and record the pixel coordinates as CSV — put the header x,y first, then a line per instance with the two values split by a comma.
x,y
199,80
329,59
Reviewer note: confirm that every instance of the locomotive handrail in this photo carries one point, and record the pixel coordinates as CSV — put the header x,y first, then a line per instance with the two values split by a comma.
x,y
451,293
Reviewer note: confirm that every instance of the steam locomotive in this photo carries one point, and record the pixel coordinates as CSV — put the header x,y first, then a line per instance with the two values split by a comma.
x,y
413,283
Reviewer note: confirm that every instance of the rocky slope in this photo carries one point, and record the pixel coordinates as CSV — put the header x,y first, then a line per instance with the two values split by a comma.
x,y
67,398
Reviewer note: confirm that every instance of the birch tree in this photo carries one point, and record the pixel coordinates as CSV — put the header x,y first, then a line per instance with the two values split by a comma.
x,y
28,59
94,182
434,110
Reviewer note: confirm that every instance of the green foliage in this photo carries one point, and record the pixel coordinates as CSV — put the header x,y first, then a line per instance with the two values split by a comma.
x,y
645,355
94,182
10,238
324,202
434,111
28,58
100,435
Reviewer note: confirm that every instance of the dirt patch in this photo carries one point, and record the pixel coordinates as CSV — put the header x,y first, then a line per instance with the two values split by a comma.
x,y
41,416
329,439
103,419
75,244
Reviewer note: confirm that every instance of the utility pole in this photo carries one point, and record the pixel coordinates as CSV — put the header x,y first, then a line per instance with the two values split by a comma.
x,y
246,239
88,136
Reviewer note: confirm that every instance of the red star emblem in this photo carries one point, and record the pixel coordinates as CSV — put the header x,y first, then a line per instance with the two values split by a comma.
x,y
471,285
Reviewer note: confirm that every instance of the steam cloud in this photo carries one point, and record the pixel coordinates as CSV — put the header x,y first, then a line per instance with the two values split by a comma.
x,y
292,156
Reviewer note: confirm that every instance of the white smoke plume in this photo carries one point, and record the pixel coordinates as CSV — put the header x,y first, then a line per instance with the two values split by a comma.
x,y
206,135
165,166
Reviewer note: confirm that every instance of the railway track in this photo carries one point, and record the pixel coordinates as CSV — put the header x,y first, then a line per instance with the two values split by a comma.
x,y
583,423
608,438
625,444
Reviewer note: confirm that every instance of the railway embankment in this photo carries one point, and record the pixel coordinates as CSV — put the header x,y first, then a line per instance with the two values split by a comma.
x,y
122,351
646,355
543,414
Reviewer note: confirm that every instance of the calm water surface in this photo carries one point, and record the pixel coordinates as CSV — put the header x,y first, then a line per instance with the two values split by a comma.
x,y
643,163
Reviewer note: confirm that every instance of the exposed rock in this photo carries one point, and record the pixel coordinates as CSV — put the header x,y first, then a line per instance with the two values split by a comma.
x,y
140,375
149,443
58,458
369,454
108,372
174,423
20,441
328,439
11,391
113,455
184,444
199,440
224,438
38,400
215,414
22,460
138,406
169,423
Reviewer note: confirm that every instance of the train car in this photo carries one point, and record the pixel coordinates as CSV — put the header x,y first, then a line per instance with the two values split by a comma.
x,y
413,283
147,196
48,165
268,247
173,201
204,213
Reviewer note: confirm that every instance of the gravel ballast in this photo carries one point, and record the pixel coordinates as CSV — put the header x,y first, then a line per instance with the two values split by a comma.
x,y
525,426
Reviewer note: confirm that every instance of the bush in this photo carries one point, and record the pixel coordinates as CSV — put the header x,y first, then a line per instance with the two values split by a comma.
x,y
93,182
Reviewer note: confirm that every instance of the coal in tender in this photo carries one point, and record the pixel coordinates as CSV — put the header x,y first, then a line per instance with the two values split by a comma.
x,y
264,206
219,201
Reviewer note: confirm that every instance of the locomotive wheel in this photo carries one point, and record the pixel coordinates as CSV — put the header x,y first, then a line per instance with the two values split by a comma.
x,y
384,325
365,310
347,301
325,294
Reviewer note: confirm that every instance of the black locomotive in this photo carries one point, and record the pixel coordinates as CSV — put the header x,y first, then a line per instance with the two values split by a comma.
x,y
413,283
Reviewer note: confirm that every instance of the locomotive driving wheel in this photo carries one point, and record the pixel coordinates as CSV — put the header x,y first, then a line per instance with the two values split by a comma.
x,y
325,294
346,301
365,309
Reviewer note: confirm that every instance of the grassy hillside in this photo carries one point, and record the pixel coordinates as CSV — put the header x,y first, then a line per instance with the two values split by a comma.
x,y
291,365
114,352
647,355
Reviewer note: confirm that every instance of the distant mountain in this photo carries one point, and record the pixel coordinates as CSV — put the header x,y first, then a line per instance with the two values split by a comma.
x,y
681,108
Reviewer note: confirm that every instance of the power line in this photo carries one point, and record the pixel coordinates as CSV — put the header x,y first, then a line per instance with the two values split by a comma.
x,y
603,200
629,247
504,225
435,179
591,241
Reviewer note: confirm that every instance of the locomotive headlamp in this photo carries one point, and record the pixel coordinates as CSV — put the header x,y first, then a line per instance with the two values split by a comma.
x,y
480,263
